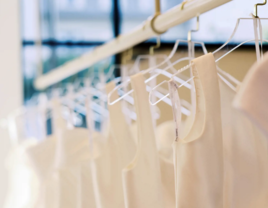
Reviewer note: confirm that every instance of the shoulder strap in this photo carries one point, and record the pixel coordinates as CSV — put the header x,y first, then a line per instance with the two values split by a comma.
x,y
146,136
207,98
206,77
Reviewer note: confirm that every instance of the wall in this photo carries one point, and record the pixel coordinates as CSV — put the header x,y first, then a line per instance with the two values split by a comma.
x,y
10,77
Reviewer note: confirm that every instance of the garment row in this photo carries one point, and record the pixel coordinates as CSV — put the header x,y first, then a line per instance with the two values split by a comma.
x,y
216,159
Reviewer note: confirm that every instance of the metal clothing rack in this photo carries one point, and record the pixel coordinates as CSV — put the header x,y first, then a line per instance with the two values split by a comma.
x,y
152,27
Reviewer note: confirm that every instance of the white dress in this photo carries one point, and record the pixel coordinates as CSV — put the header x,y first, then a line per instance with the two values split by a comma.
x,y
119,147
252,96
62,164
41,158
142,176
198,157
245,157
23,185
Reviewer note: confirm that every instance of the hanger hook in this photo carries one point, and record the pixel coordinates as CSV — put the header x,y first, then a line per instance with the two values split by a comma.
x,y
185,2
156,14
158,44
127,55
197,22
255,13
196,30
157,7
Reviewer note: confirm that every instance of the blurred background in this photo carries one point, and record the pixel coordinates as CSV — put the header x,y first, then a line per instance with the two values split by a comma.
x,y
52,32
69,28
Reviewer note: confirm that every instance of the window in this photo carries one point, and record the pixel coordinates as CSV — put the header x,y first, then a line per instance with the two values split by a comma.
x,y
70,28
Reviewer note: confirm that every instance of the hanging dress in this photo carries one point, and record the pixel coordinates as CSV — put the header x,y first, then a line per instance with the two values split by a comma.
x,y
41,158
62,164
73,167
23,185
245,157
198,157
107,167
142,176
252,97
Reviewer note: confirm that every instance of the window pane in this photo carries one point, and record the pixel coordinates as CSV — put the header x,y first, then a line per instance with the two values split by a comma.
x,y
84,20
216,26
68,20
51,58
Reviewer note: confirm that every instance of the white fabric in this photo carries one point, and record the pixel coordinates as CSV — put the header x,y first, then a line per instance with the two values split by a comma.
x,y
198,157
42,159
23,185
245,156
220,160
72,165
119,148
142,176
252,97
69,183
62,164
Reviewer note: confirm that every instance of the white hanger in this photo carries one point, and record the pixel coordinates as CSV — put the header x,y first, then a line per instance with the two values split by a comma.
x,y
125,76
175,47
129,99
189,66
99,112
152,69
256,19
164,71
135,68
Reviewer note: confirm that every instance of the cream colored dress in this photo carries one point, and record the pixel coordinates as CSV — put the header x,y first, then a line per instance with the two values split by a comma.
x,y
70,181
198,157
164,139
73,165
62,164
41,158
142,176
245,156
107,167
74,169
23,185
252,96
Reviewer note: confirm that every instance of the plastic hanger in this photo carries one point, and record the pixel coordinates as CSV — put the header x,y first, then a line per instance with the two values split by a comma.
x,y
42,106
256,22
76,102
126,70
176,45
152,58
151,70
127,97
80,98
164,72
188,67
